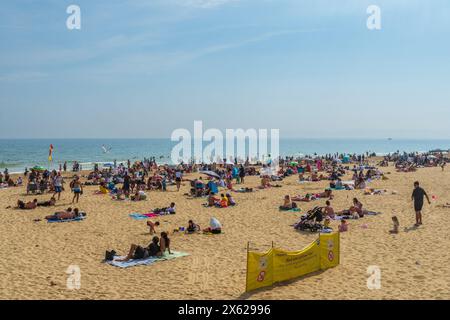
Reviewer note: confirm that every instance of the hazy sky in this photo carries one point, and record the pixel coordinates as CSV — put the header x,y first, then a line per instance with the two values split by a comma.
x,y
144,68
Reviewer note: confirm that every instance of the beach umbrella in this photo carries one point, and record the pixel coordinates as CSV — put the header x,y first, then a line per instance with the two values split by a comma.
x,y
294,163
38,168
210,174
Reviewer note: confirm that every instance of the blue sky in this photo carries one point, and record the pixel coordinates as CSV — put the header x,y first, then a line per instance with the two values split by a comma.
x,y
310,68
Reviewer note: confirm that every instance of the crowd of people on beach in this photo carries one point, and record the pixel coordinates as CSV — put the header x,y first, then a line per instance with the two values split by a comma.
x,y
217,182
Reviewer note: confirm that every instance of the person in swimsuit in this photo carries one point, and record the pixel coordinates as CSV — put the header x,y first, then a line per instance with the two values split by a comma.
x,y
48,203
68,214
77,189
27,206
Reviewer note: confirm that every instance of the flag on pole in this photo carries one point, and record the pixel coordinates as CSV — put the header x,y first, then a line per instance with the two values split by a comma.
x,y
50,153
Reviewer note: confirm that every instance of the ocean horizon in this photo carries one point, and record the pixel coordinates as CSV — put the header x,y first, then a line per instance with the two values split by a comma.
x,y
18,154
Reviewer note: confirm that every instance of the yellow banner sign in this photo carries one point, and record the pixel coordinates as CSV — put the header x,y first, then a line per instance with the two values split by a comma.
x,y
265,269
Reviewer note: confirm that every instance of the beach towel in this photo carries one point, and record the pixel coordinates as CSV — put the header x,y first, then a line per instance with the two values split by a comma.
x,y
66,220
146,261
291,210
151,215
137,216
372,213
336,217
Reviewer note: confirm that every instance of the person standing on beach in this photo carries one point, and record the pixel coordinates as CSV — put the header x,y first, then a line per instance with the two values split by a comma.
x,y
242,173
77,188
417,197
178,176
65,166
126,184
58,184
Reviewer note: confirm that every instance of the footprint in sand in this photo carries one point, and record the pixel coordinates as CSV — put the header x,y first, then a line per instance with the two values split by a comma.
x,y
419,277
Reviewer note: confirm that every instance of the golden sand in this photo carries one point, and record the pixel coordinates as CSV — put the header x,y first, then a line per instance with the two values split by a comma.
x,y
414,263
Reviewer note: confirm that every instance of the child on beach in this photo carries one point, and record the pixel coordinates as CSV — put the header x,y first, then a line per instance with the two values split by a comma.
x,y
326,223
152,226
396,225
328,210
343,227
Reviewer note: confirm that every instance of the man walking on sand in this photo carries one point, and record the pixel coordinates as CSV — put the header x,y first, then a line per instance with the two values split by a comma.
x,y
417,196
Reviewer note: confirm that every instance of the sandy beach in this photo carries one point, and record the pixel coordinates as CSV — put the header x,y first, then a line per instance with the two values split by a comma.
x,y
413,263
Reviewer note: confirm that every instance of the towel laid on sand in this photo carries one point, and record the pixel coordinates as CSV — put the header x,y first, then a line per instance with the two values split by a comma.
x,y
143,216
66,220
291,210
147,261
372,213
137,216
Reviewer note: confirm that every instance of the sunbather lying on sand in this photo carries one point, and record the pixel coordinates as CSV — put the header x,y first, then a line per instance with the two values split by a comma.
x,y
328,193
68,214
27,206
48,203
372,191
307,198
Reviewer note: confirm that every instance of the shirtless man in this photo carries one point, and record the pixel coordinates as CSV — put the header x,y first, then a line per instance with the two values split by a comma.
x,y
328,210
27,206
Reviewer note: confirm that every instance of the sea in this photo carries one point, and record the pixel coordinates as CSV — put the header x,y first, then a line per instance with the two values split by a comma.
x,y
18,154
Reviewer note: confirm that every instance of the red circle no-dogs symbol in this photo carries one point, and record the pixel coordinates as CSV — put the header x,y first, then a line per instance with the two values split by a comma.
x,y
261,276
330,255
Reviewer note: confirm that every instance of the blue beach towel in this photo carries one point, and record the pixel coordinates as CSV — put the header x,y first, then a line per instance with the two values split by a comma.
x,y
66,220
138,216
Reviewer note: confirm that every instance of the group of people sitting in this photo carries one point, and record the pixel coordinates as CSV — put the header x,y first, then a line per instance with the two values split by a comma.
x,y
225,200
